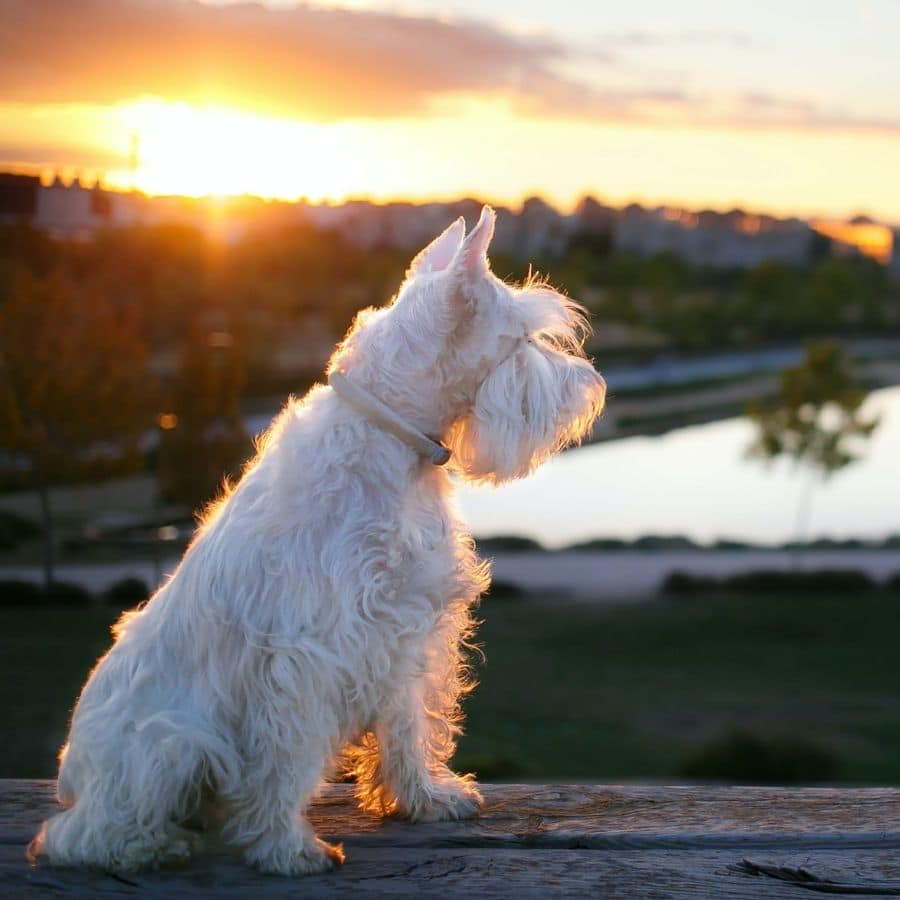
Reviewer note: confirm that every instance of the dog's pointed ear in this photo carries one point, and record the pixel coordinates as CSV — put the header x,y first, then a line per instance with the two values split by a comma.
x,y
441,251
472,259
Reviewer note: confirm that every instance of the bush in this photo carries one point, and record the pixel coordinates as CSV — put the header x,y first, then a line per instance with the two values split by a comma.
x,y
65,593
731,544
599,544
665,542
126,593
765,581
893,583
508,543
684,583
505,590
29,593
19,593
748,759
15,528
821,580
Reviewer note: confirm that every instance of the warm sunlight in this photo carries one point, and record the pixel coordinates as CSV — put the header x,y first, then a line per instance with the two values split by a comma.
x,y
213,150
869,238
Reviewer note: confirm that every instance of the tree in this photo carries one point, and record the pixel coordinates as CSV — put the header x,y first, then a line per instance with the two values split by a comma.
x,y
815,419
75,397
202,436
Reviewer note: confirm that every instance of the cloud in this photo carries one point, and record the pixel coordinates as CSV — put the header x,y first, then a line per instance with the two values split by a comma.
x,y
688,38
302,61
762,109
50,155
325,63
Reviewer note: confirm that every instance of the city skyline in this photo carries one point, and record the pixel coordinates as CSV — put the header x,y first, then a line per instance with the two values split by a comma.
x,y
791,112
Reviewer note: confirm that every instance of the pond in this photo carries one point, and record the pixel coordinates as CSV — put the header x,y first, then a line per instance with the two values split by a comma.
x,y
696,482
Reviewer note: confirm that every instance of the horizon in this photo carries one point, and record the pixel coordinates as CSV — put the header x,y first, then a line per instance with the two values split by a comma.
x,y
70,178
503,100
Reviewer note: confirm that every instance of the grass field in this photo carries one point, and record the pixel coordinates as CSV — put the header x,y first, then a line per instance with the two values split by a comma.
x,y
578,691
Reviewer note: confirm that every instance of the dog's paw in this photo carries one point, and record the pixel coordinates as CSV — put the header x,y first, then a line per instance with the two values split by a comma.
x,y
180,848
309,857
457,799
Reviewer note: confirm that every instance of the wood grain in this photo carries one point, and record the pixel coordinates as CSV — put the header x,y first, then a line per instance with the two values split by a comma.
x,y
532,840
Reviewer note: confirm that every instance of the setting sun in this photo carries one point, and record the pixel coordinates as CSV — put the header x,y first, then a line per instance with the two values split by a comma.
x,y
212,150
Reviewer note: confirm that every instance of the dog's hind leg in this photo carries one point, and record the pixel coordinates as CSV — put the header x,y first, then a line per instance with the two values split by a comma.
x,y
126,812
96,832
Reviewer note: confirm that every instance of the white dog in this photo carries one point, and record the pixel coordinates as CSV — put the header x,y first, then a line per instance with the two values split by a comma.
x,y
322,611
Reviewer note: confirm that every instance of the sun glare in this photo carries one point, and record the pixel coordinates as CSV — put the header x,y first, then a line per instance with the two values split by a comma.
x,y
216,151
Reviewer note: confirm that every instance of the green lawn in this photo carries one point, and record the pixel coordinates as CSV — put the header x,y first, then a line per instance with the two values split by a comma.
x,y
575,691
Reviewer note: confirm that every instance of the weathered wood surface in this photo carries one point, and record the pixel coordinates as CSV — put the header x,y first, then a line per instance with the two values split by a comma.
x,y
536,840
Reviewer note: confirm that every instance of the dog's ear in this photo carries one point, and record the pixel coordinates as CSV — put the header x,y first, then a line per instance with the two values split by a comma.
x,y
472,258
441,251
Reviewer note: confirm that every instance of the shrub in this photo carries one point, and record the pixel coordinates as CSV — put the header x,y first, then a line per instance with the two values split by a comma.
x,y
19,593
29,593
821,580
893,583
684,583
507,543
665,542
749,759
599,544
126,593
764,581
505,590
15,528
65,593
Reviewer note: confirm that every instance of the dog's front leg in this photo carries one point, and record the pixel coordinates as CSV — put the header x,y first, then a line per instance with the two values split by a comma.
x,y
286,753
421,784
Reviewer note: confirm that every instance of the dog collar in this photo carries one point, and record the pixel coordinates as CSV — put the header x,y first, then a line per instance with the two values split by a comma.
x,y
385,418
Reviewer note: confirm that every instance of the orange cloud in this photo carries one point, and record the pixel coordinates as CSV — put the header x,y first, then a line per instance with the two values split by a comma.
x,y
326,64
307,62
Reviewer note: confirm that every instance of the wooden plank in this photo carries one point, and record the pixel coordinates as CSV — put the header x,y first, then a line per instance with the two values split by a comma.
x,y
473,872
576,840
580,816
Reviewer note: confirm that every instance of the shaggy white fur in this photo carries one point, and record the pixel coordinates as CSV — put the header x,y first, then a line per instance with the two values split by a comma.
x,y
321,615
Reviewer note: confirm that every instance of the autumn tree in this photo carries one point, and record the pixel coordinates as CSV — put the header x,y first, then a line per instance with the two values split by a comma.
x,y
75,397
202,435
815,419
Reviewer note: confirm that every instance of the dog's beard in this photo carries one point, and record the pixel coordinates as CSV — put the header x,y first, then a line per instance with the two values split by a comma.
x,y
534,403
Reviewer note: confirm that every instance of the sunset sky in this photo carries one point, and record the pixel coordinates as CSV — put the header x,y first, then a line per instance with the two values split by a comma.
x,y
791,107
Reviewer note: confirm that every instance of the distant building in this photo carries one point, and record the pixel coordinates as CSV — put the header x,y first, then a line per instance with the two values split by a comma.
x,y
595,224
18,198
722,240
734,239
73,211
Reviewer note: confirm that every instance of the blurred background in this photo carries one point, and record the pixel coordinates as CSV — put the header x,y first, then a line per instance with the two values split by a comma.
x,y
195,199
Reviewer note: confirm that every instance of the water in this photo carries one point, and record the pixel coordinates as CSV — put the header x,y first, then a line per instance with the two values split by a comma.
x,y
696,482
666,370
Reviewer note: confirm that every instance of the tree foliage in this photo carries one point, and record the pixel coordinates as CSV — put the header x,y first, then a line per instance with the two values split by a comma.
x,y
74,392
816,417
75,397
202,436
